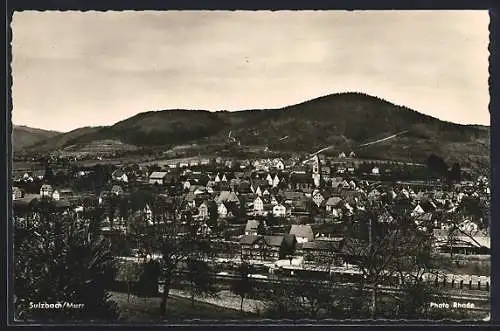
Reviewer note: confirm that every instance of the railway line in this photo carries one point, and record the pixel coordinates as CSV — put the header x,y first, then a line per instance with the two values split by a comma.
x,y
454,298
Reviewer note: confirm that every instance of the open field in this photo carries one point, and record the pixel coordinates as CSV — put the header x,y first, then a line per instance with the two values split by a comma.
x,y
178,309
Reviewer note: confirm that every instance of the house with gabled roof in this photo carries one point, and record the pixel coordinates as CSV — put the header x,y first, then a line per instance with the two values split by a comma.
x,y
279,165
119,175
222,210
303,233
62,193
227,196
266,248
258,206
269,179
279,210
251,228
276,181
332,203
46,191
17,193
158,177
418,210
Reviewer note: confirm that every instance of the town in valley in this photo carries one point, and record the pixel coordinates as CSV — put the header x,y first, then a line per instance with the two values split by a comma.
x,y
237,233
215,167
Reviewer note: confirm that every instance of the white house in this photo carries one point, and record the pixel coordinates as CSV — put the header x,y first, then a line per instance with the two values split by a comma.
x,y
333,203
217,178
376,171
17,193
269,179
222,210
55,195
280,165
157,177
187,185
46,191
203,211
418,210
258,206
258,191
224,179
279,210
276,181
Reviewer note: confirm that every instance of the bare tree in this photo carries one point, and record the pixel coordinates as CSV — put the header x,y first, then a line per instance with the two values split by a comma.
x,y
389,246
243,286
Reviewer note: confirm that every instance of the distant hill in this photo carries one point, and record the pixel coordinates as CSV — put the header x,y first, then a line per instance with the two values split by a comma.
x,y
344,120
23,136
63,140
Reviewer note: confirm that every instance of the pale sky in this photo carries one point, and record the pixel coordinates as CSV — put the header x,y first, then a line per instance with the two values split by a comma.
x,y
74,69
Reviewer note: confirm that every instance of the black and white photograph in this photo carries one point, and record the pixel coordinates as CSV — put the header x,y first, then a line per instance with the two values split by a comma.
x,y
174,167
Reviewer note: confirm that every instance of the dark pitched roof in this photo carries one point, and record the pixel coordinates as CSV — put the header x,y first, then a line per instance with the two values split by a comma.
x,y
249,239
252,225
324,245
333,201
158,175
275,241
304,231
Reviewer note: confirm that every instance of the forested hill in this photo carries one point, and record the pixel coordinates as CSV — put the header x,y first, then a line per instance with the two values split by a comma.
x,y
346,120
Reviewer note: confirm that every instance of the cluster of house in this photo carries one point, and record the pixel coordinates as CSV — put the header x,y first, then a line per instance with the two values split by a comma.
x,y
296,194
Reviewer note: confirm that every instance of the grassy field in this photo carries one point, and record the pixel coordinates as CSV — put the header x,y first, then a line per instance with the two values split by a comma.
x,y
178,310
465,264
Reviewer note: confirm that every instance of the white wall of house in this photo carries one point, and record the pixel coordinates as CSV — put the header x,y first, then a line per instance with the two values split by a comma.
x,y
279,211
301,240
222,210
258,205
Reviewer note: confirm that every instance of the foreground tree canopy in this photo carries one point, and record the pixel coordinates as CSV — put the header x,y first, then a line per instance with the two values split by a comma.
x,y
60,258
